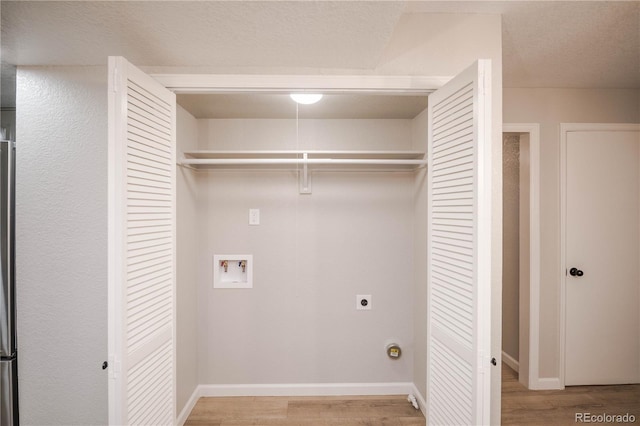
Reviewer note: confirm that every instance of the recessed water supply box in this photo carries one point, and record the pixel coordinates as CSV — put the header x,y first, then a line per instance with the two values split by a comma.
x,y
232,271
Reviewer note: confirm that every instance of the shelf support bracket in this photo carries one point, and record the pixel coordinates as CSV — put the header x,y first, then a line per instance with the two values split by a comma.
x,y
305,176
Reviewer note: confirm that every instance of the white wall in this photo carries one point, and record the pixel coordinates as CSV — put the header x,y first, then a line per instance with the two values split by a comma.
x,y
61,245
312,255
550,107
187,265
313,134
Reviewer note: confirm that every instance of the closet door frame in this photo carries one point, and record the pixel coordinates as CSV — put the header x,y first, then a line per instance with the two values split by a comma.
x,y
222,83
414,85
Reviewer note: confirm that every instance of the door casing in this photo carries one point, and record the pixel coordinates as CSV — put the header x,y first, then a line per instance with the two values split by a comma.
x,y
533,346
565,128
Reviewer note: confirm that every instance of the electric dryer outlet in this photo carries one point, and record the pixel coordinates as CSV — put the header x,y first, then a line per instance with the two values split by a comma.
x,y
363,302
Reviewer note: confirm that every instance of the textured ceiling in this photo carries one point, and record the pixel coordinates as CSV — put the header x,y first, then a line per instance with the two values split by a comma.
x,y
595,44
199,33
545,44
562,43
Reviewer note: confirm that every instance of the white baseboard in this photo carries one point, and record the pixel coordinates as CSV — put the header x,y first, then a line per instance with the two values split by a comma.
x,y
510,361
301,389
546,383
421,401
308,389
184,414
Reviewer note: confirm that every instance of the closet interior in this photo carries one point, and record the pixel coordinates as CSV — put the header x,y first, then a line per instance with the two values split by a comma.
x,y
328,200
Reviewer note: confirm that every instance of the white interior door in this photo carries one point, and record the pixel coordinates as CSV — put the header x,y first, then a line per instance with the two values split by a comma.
x,y
459,250
141,248
602,231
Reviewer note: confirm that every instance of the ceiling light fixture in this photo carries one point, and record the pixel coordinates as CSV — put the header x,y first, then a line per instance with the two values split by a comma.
x,y
306,98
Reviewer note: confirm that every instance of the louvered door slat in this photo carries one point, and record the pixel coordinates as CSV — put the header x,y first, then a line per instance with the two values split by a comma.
x,y
143,143
139,246
457,388
450,317
147,265
147,286
144,151
453,254
143,381
461,204
148,296
452,280
464,108
457,124
149,229
149,133
453,240
452,247
454,151
147,127
139,110
138,114
452,140
158,104
142,224
141,319
144,180
148,160
140,185
147,169
453,173
447,271
455,98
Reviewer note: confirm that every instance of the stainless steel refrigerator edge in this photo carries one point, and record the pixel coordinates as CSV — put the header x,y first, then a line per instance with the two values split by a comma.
x,y
8,345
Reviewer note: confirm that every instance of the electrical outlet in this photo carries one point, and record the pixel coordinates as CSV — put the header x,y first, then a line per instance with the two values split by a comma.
x,y
254,216
363,302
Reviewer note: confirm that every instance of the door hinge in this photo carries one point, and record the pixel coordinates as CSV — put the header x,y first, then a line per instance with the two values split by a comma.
x,y
114,86
487,84
114,367
484,362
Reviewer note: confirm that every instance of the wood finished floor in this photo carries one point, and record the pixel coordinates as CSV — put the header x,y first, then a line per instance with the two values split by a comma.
x,y
305,411
521,406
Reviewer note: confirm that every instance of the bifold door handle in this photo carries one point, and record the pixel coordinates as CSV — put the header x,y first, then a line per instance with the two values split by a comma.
x,y
575,272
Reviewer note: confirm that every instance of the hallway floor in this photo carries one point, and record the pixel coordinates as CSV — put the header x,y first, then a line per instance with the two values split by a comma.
x,y
521,406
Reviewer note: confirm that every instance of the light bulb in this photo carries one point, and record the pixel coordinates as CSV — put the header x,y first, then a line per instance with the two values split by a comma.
x,y
306,98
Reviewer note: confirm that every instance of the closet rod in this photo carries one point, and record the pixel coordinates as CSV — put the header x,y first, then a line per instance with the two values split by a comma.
x,y
302,161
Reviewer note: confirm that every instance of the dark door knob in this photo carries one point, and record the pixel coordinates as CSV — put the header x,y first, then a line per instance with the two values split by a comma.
x,y
575,272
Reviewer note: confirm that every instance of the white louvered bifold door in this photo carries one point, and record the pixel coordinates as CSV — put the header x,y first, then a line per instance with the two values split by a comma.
x,y
458,252
141,248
